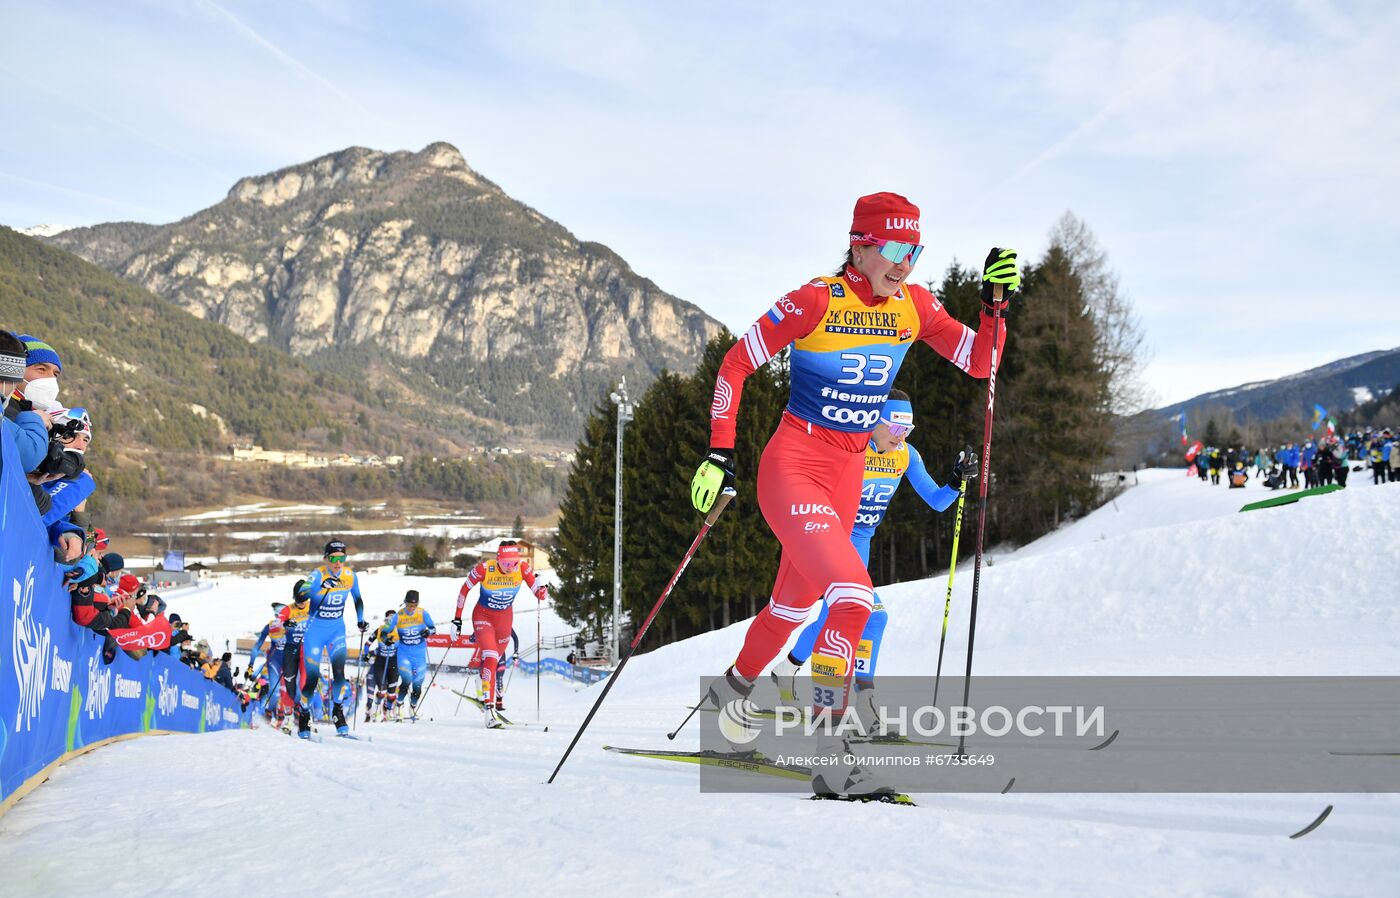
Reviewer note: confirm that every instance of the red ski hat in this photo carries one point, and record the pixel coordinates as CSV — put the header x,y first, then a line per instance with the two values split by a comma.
x,y
886,216
99,539
128,584
508,553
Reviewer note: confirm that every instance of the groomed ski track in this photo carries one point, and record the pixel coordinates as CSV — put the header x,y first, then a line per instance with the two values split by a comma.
x,y
1169,579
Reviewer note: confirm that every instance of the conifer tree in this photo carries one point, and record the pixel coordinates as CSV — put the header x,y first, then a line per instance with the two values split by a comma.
x,y
583,555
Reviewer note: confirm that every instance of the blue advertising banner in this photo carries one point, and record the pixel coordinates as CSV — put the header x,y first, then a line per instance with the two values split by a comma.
x,y
56,694
565,669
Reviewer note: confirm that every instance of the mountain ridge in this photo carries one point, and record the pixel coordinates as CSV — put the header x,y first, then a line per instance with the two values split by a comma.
x,y
1377,371
1280,408
427,262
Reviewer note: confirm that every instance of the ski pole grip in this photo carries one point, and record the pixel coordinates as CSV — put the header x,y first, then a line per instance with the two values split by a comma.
x,y
723,500
997,292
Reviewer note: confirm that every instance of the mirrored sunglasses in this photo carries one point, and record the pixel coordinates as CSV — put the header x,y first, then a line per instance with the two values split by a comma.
x,y
894,251
898,431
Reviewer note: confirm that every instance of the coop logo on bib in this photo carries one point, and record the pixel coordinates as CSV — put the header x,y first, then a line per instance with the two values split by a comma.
x,y
862,418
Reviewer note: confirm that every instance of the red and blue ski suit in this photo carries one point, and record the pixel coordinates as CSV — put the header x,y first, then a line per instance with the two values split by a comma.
x,y
847,346
494,612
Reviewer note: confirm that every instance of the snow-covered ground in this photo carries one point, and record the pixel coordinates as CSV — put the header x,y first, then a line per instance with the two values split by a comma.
x,y
1168,579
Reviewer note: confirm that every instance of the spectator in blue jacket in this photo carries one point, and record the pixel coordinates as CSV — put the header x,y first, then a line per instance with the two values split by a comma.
x,y
29,429
1309,454
1289,460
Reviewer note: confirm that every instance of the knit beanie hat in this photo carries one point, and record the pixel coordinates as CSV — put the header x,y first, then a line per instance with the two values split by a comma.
x,y
885,216
38,352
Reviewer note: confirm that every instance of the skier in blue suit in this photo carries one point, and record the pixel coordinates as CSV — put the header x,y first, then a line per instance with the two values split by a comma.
x,y
413,625
330,586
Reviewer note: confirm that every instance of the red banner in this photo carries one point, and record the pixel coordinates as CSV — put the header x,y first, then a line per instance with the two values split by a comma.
x,y
447,641
152,635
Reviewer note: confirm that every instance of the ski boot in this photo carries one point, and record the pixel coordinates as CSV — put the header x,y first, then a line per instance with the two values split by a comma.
x,y
500,704
369,714
338,716
739,721
850,782
784,676
867,712
303,722
493,721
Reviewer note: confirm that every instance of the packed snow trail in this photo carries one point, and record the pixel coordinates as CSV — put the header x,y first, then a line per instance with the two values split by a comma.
x,y
1171,580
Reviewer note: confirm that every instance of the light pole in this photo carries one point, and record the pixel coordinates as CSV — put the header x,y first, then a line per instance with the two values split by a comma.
x,y
624,414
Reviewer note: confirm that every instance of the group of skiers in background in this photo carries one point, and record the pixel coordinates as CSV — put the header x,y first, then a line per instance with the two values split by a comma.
x,y
285,667
1322,462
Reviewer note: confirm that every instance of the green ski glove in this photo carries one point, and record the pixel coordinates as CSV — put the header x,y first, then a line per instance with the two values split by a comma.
x,y
1000,269
714,474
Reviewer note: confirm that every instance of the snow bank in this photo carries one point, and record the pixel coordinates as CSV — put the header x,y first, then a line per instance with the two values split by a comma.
x,y
1170,579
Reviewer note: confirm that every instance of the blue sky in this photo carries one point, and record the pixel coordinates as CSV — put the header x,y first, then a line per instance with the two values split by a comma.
x,y
1238,161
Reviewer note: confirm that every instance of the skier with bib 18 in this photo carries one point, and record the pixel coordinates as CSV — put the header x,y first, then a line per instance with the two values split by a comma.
x,y
330,586
848,333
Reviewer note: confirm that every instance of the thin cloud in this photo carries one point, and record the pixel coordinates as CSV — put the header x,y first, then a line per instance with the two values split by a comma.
x,y
1117,102
291,62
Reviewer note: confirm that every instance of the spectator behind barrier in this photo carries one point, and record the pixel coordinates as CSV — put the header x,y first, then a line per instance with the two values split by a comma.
x,y
52,442
223,673
61,474
29,429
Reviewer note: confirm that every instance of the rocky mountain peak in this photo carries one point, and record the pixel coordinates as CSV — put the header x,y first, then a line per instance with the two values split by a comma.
x,y
418,262
353,166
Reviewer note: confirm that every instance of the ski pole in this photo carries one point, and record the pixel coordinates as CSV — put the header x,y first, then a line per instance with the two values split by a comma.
x,y
719,506
948,600
672,735
982,496
359,681
539,671
431,681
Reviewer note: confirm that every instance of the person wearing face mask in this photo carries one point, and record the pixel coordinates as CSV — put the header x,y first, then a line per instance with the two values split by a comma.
x,y
38,394
889,460
27,428
849,333
41,372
